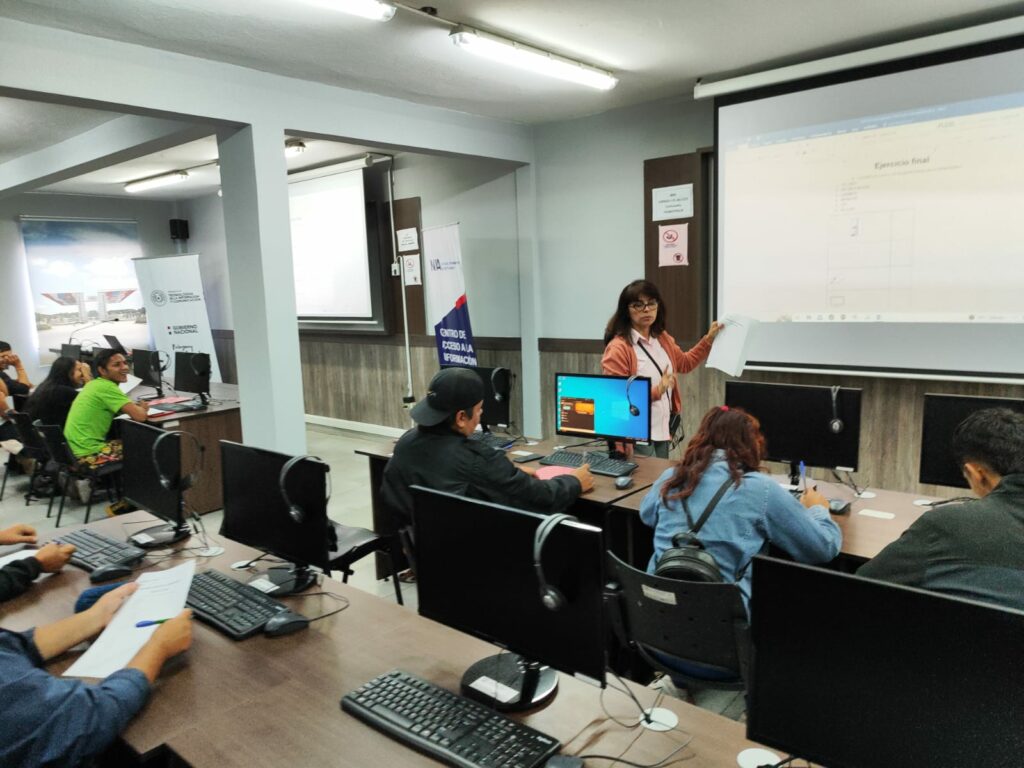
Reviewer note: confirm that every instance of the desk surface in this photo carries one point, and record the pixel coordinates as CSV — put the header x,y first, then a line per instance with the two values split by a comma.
x,y
271,702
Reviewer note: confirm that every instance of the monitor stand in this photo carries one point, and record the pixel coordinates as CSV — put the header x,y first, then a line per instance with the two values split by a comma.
x,y
509,683
158,396
614,453
287,580
160,535
794,474
204,398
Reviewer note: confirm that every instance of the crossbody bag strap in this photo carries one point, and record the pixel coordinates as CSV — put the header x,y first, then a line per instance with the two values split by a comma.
x,y
648,353
708,509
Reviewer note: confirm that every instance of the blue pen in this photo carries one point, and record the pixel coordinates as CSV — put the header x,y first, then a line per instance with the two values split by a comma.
x,y
150,622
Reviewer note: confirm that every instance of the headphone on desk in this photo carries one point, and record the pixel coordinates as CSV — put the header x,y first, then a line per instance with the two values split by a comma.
x,y
550,596
633,410
297,513
836,424
189,480
498,395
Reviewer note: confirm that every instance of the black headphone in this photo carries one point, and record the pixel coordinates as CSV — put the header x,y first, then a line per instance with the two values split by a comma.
x,y
189,480
632,408
163,361
836,424
498,396
195,358
552,599
298,514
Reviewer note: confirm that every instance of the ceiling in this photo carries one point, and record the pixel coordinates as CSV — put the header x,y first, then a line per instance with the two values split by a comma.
x,y
657,48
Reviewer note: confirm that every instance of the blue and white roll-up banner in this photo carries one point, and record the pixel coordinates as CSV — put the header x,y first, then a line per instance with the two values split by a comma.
x,y
172,290
445,290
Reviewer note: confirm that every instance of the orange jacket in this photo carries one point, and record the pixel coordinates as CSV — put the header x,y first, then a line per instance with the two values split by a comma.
x,y
620,359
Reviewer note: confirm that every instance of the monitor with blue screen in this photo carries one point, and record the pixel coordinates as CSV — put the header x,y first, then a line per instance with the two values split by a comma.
x,y
612,407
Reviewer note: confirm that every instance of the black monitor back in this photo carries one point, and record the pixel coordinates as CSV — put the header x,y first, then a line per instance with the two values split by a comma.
x,y
255,511
795,420
942,414
74,351
475,573
192,372
854,673
146,365
497,393
141,478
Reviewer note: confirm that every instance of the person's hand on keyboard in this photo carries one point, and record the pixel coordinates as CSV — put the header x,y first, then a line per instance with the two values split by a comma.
x,y
586,479
54,556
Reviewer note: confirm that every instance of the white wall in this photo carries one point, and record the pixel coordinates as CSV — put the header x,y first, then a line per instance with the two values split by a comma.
x,y
205,217
481,196
590,205
17,321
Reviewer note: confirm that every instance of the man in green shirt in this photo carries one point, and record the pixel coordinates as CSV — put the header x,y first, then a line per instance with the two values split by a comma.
x,y
95,407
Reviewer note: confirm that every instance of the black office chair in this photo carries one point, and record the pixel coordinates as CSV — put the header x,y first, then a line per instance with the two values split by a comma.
x,y
67,463
702,624
33,448
353,544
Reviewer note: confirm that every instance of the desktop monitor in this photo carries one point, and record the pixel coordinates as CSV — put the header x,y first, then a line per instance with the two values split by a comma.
x,y
497,393
853,673
283,513
819,426
147,366
942,414
74,351
192,373
475,572
153,481
115,344
611,407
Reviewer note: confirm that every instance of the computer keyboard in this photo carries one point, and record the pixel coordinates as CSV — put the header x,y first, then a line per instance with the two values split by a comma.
x,y
178,407
229,606
599,463
492,440
93,550
450,728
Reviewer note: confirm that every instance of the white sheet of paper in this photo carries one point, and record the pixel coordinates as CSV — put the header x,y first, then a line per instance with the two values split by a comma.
x,y
411,267
729,352
130,384
161,595
21,554
672,202
408,240
673,241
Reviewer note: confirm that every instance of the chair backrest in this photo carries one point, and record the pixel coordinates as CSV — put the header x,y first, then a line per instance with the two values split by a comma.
x,y
27,434
698,622
56,445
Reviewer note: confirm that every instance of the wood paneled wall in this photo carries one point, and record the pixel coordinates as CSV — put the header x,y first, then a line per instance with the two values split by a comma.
x,y
891,410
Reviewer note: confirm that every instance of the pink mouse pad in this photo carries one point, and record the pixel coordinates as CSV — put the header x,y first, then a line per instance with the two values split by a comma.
x,y
547,472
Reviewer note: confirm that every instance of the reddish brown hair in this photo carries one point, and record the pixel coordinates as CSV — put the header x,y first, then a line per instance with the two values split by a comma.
x,y
732,430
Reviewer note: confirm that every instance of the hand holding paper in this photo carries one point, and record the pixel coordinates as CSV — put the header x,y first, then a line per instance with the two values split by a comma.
x,y
729,352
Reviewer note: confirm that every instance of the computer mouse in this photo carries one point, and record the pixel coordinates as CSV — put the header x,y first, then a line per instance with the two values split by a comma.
x,y
284,623
623,481
111,571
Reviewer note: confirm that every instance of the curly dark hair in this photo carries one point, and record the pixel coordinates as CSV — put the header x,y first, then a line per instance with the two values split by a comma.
x,y
993,437
620,325
732,430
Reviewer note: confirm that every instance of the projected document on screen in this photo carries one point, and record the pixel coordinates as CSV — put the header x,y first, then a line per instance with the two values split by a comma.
x,y
877,224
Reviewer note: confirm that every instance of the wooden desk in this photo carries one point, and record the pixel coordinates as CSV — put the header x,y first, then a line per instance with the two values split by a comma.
x,y
864,536
275,701
591,507
221,420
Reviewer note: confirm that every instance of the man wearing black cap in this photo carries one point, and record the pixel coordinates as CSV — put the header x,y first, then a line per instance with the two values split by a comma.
x,y
438,454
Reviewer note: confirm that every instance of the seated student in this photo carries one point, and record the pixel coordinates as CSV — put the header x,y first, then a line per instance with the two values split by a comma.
x,y
437,454
18,575
51,401
755,510
95,407
57,721
975,549
20,385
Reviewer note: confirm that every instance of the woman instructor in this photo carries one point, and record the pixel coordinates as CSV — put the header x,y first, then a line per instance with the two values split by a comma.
x,y
637,344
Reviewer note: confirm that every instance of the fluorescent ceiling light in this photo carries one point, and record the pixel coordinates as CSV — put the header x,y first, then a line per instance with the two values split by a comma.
x,y
294,147
533,59
375,10
163,180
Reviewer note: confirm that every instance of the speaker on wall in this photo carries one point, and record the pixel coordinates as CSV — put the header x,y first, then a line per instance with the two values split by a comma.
x,y
179,229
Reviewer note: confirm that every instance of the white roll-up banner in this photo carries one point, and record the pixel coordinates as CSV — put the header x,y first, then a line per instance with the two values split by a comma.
x,y
445,289
172,291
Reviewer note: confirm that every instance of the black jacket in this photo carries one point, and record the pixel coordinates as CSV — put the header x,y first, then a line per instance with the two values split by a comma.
x,y
973,550
17,576
450,462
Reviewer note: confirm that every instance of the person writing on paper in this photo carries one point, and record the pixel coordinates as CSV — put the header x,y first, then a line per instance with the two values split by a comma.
x,y
438,454
17,576
975,549
54,721
637,344
754,511
95,407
